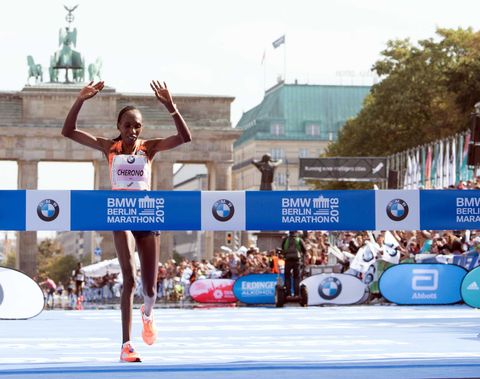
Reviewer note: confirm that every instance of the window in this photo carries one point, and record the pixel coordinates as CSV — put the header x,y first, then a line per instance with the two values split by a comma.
x,y
277,153
312,129
277,129
303,153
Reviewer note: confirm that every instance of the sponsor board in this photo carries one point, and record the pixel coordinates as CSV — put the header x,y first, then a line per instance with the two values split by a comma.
x,y
450,209
12,213
223,210
471,288
20,296
355,169
47,210
337,289
301,210
397,210
213,291
135,210
256,288
422,284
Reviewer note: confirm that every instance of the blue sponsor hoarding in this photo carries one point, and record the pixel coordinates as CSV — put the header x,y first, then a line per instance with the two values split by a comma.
x,y
13,211
318,210
256,288
422,284
135,210
471,288
453,209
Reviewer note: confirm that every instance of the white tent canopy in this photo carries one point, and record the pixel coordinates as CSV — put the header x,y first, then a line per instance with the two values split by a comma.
x,y
110,266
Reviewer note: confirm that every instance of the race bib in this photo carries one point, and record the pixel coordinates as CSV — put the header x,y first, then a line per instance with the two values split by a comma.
x,y
130,172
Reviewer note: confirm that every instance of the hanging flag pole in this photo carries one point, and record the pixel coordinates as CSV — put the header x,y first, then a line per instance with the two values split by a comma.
x,y
277,43
264,64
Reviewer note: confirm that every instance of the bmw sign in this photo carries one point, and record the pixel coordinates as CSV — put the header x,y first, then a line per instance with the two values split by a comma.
x,y
223,210
397,209
48,210
330,288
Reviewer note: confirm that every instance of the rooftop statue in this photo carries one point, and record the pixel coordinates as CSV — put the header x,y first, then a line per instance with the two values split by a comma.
x,y
267,167
67,58
34,70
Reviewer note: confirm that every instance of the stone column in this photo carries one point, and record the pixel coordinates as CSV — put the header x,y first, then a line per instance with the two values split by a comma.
x,y
27,250
212,175
208,247
223,180
162,180
101,175
102,182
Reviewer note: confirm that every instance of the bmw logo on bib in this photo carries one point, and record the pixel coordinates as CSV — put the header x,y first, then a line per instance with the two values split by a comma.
x,y
48,210
131,159
223,210
330,288
397,209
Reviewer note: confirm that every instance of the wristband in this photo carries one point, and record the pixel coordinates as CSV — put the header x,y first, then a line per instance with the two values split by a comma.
x,y
175,110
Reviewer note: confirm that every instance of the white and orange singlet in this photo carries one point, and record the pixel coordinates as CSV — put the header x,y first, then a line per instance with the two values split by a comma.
x,y
130,171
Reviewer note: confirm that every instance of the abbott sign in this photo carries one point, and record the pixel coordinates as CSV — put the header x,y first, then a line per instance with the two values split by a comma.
x,y
422,284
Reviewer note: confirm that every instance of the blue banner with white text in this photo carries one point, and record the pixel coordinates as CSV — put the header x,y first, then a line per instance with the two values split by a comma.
x,y
135,210
59,210
310,210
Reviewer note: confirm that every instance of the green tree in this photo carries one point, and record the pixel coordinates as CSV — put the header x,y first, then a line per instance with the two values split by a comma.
x,y
53,263
427,92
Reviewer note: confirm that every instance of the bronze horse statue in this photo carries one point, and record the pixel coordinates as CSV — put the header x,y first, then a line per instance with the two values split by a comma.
x,y
34,70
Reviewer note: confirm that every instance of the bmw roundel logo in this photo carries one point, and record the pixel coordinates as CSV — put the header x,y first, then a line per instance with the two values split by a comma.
x,y
48,210
223,210
397,209
330,288
131,159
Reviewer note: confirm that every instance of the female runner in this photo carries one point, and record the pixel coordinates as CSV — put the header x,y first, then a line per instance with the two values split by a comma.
x,y
120,152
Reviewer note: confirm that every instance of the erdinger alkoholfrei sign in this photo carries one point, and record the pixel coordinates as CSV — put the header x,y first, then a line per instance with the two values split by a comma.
x,y
354,169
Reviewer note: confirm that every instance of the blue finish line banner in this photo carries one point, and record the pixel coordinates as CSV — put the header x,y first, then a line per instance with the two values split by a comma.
x,y
239,210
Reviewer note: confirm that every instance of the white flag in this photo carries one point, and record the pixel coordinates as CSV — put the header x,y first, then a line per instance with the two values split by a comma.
x,y
446,165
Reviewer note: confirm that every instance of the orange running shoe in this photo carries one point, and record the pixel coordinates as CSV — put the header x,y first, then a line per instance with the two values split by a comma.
x,y
129,354
149,331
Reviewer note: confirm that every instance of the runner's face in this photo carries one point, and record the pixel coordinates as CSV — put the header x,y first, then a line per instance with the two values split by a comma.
x,y
130,126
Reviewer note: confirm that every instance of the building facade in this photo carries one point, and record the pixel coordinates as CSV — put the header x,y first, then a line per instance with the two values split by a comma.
x,y
293,121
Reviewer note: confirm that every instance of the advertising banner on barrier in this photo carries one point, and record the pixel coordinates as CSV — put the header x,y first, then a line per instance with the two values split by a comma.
x,y
471,288
213,291
20,296
422,284
454,210
135,210
339,289
12,213
256,288
317,210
